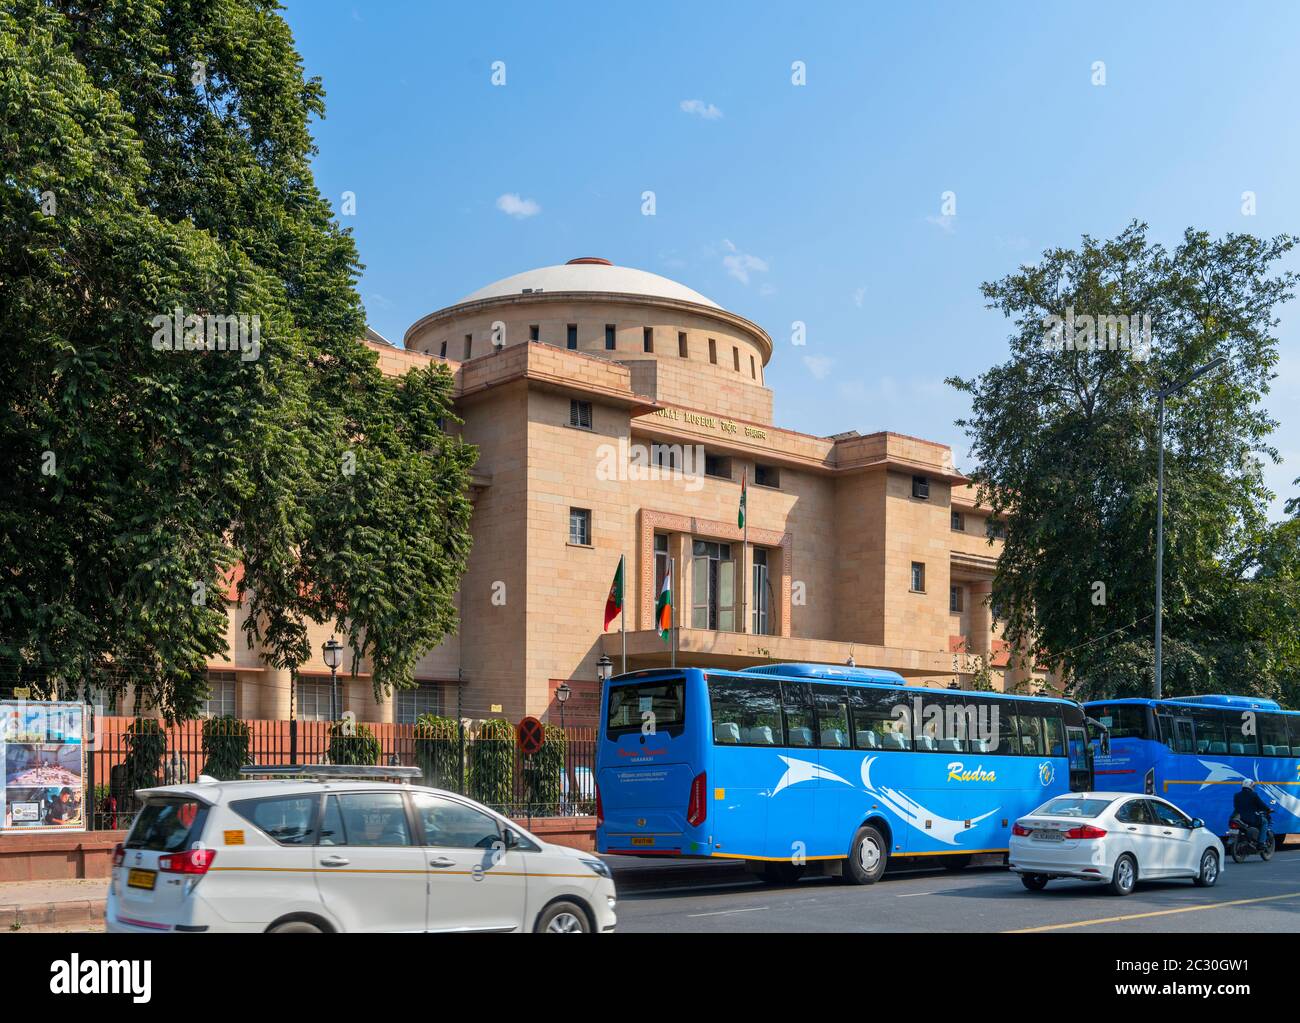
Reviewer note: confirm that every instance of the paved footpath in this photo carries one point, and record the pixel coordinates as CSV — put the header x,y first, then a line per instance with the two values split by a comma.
x,y
76,905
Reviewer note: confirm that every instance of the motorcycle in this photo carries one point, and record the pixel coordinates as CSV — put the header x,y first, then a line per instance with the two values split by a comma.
x,y
1245,839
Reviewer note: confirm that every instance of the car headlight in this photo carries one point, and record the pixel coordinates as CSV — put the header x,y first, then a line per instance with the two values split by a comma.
x,y
598,867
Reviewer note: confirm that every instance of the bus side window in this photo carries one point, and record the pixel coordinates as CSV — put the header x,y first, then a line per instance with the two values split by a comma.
x,y
874,724
1273,738
832,716
799,722
1243,741
1054,732
1029,725
1293,721
1006,741
1210,737
746,713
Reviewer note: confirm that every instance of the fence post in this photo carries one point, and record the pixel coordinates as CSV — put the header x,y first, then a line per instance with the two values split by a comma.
x,y
89,804
293,741
460,729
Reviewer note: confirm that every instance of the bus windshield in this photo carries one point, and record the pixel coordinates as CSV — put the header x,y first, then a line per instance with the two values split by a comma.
x,y
1124,720
663,699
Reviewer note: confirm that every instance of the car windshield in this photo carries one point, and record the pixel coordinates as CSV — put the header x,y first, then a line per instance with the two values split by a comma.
x,y
1073,806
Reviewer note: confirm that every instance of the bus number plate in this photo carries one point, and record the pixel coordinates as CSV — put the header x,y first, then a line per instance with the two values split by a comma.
x,y
642,841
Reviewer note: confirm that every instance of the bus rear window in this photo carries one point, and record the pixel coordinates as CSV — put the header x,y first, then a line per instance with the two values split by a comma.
x,y
662,702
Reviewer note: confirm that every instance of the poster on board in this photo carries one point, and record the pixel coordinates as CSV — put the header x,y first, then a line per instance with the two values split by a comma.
x,y
42,766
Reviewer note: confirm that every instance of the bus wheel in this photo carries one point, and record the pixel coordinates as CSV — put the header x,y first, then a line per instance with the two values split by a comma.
x,y
782,872
956,862
867,856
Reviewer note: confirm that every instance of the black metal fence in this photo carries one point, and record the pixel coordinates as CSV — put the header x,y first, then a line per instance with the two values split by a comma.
x,y
479,759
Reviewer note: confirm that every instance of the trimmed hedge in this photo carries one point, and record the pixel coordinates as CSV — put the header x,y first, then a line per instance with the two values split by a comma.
x,y
359,748
492,763
438,751
225,747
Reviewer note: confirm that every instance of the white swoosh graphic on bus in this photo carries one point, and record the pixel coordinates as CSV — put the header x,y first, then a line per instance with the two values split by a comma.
x,y
1223,772
801,770
943,829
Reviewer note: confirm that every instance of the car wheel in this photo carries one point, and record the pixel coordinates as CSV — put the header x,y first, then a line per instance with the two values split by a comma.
x,y
563,918
956,862
781,873
868,856
1034,882
1209,874
1124,880
295,927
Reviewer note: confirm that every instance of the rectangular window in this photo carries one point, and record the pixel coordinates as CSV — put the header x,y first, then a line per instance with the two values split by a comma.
x,y
954,599
469,345
580,526
314,700
221,695
425,698
713,351
571,337
766,475
1176,730
753,368
1054,734
958,522
664,698
713,586
875,726
580,414
534,332
1293,726
1125,720
681,344
1273,739
735,358
664,456
995,528
921,487
1029,729
746,713
1210,734
609,337
442,351
648,339
368,819
717,465
286,820
796,701
918,577
762,590
661,562
832,716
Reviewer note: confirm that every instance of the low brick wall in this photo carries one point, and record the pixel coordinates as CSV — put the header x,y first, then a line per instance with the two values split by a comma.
x,y
55,857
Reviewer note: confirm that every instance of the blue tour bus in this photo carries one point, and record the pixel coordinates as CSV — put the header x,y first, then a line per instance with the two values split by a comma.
x,y
1196,751
794,766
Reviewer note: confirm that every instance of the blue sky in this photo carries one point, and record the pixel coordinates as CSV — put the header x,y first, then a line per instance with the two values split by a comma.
x,y
818,203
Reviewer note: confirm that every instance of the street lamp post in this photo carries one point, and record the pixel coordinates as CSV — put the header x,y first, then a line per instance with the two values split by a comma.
x,y
332,651
604,669
1162,394
562,695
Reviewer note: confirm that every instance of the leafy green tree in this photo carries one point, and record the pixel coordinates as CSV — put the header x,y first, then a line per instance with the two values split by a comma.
x,y
1066,442
155,157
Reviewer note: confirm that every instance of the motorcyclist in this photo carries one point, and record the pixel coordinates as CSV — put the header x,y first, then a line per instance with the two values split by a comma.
x,y
1252,810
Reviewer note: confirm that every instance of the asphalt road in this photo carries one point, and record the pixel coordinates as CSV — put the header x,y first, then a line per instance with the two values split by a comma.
x,y
691,896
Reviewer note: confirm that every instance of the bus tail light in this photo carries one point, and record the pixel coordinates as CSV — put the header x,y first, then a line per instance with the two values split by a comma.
x,y
600,807
1020,829
192,861
1086,831
697,809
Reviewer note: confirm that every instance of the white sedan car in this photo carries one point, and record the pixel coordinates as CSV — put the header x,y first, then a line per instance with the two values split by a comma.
x,y
321,850
1117,838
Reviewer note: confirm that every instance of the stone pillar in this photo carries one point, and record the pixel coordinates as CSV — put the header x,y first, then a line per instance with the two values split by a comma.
x,y
358,696
272,688
981,619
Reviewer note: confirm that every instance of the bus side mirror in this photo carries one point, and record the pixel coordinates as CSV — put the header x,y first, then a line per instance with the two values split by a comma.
x,y
1105,744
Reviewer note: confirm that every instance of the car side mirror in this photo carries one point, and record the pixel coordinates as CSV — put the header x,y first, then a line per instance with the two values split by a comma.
x,y
511,838
1197,823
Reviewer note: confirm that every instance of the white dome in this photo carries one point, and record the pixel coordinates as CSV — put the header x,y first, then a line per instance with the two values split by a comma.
x,y
590,274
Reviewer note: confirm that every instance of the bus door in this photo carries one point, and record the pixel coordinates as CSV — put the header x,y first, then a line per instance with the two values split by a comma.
x,y
1080,757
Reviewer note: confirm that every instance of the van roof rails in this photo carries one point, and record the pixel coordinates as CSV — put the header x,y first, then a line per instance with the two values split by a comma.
x,y
333,772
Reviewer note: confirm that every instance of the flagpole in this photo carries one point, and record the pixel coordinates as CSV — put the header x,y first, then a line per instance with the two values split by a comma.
x,y
672,582
622,611
744,557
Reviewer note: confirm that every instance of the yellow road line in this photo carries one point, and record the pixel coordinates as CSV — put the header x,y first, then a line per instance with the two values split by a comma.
x,y
1157,912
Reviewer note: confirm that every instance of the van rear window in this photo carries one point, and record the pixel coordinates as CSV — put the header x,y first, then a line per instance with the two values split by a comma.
x,y
661,702
167,825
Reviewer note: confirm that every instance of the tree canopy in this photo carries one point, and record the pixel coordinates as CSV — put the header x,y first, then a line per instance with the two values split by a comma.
x,y
155,162
1066,440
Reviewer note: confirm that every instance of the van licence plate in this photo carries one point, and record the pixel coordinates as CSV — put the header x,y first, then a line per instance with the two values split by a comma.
x,y
636,840
141,879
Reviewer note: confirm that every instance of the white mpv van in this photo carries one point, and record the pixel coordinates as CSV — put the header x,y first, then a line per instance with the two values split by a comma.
x,y
320,849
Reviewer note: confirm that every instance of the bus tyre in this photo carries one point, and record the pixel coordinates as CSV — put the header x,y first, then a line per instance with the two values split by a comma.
x,y
956,862
1034,882
782,872
867,856
1209,873
1124,880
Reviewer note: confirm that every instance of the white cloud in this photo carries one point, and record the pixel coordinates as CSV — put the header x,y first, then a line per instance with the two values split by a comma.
x,y
858,295
741,264
818,365
511,204
701,109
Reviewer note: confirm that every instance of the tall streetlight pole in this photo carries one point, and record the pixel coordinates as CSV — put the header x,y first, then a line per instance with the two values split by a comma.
x,y
332,651
1162,394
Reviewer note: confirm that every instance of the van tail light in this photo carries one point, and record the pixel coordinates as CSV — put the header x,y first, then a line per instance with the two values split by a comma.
x,y
192,861
119,854
1020,829
1086,831
600,806
697,809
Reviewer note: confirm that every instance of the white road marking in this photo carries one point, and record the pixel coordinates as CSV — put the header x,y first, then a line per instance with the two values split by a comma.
x,y
728,912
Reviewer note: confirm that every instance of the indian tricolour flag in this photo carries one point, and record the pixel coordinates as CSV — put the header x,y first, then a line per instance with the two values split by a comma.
x,y
664,606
